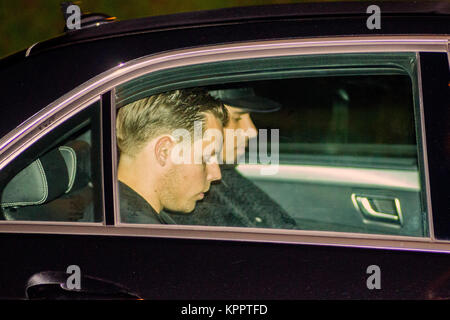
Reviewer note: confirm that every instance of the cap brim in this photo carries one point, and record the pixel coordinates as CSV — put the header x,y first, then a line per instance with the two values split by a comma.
x,y
253,104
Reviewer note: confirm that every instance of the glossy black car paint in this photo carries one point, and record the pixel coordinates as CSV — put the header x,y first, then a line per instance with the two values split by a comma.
x,y
57,66
158,268
436,95
198,269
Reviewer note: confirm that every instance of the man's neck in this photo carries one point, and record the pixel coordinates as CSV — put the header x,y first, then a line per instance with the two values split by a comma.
x,y
144,187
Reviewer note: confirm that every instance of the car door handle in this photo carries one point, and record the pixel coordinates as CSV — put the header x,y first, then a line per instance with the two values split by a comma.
x,y
52,285
367,205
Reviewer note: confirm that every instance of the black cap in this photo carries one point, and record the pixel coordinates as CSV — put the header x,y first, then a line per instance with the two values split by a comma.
x,y
245,98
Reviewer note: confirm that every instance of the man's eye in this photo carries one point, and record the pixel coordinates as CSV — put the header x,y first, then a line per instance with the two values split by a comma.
x,y
237,119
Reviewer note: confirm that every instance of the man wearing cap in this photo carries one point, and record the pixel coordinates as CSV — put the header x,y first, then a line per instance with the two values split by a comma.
x,y
235,200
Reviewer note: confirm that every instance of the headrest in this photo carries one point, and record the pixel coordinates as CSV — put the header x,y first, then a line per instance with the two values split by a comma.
x,y
62,170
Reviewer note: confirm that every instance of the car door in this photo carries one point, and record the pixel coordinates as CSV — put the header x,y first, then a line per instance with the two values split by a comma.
x,y
363,203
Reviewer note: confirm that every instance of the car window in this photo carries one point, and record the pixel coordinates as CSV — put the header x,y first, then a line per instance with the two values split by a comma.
x,y
332,143
57,178
348,157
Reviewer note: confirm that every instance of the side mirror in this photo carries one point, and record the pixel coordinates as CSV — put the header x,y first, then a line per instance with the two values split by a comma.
x,y
52,285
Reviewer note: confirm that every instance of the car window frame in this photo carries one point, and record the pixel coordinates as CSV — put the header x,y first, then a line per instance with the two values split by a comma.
x,y
434,76
43,131
292,67
73,101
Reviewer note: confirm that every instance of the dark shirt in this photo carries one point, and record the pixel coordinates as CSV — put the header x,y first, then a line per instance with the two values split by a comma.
x,y
135,209
236,201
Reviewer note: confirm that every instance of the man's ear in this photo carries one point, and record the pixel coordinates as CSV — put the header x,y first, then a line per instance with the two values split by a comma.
x,y
163,148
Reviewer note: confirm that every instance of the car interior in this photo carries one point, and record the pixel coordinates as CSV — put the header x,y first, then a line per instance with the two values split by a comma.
x,y
348,148
353,141
54,187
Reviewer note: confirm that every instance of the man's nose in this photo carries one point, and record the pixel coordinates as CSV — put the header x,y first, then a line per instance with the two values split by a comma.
x,y
213,173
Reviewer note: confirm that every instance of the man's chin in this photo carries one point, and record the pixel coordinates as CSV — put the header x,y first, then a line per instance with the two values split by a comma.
x,y
181,210
188,208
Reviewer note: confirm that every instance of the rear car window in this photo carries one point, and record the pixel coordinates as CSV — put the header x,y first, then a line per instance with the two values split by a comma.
x,y
335,146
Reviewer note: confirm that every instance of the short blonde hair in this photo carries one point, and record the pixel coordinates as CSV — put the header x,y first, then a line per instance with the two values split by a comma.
x,y
142,120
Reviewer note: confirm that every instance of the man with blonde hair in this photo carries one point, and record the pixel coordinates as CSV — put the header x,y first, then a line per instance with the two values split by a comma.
x,y
235,200
150,177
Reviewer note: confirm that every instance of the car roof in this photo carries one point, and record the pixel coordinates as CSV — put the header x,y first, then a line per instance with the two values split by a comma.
x,y
36,77
243,14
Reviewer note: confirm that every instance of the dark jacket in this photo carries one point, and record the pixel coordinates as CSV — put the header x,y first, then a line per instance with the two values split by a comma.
x,y
236,201
135,209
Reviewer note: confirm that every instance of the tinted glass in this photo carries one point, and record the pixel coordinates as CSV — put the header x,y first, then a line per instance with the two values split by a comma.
x,y
334,144
57,178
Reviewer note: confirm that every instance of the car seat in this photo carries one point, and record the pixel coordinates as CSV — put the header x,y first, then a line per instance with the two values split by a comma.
x,y
54,187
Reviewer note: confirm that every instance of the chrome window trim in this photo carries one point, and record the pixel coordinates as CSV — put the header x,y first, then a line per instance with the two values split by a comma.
x,y
281,236
73,102
38,126
38,135
135,68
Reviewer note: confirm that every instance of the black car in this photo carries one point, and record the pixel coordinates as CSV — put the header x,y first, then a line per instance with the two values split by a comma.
x,y
362,163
